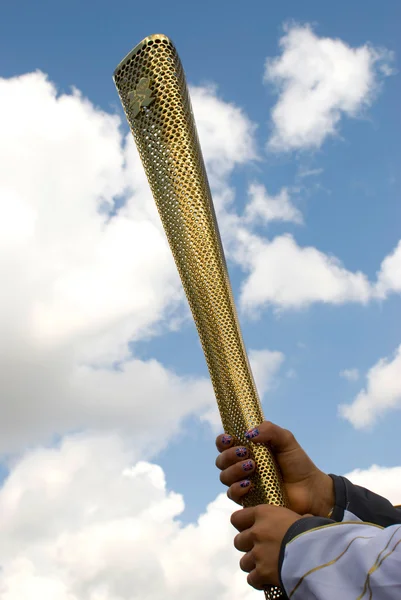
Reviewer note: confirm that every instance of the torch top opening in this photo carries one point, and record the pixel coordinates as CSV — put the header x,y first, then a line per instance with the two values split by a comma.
x,y
149,39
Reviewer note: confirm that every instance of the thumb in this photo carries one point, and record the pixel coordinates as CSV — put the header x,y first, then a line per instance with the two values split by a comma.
x,y
279,439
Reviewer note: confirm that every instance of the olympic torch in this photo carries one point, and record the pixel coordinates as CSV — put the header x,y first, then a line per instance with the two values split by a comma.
x,y
152,87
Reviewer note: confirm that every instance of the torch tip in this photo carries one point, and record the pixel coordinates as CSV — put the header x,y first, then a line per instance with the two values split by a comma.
x,y
160,37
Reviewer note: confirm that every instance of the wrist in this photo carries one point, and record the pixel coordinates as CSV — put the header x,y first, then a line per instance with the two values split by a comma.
x,y
325,496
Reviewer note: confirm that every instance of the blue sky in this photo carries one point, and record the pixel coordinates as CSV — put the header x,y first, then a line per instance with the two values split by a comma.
x,y
350,206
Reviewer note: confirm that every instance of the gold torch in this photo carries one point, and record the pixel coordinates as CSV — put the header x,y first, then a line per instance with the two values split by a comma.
x,y
152,87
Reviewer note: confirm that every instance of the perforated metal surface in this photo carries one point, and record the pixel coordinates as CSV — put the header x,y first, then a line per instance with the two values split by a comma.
x,y
152,87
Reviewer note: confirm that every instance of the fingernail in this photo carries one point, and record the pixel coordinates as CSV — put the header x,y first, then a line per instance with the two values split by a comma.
x,y
245,483
241,452
247,466
252,433
226,439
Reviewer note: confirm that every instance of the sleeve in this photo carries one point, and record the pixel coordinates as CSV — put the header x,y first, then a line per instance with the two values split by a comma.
x,y
355,503
324,560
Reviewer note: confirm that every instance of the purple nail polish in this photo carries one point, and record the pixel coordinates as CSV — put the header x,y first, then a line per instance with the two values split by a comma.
x,y
245,483
247,465
252,433
241,452
226,439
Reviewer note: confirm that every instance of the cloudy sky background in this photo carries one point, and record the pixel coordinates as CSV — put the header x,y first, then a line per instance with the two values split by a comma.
x,y
108,485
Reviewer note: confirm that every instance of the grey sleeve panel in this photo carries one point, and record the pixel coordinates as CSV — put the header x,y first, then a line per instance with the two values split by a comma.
x,y
347,561
364,504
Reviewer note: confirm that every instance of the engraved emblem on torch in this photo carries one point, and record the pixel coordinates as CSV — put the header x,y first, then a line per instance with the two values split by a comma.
x,y
141,96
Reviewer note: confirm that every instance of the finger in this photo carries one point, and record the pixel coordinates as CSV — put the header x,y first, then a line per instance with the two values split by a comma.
x,y
237,472
279,439
238,490
256,581
224,441
244,541
247,562
231,456
243,519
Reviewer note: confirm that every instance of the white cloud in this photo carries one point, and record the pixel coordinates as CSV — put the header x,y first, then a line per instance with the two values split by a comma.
x,y
70,270
285,275
381,394
384,481
350,374
291,374
85,521
389,275
77,284
263,208
319,80
226,135
265,365
47,393
305,172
